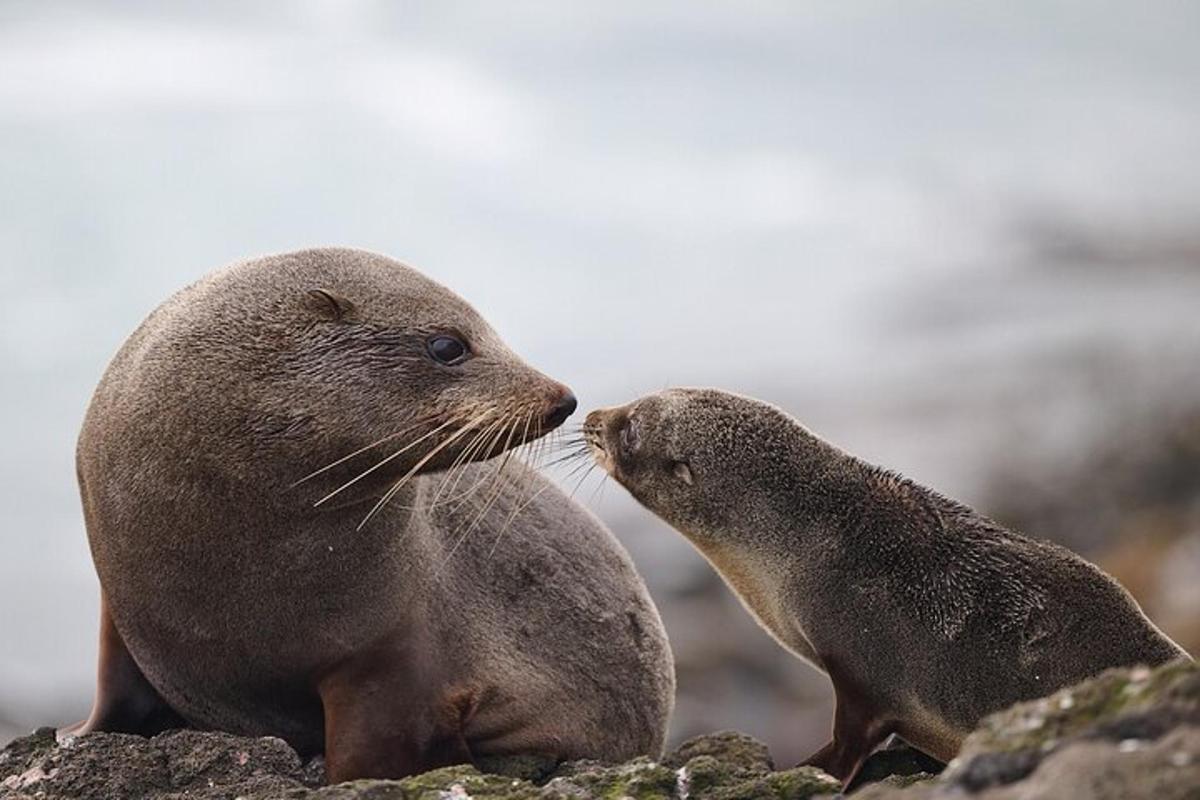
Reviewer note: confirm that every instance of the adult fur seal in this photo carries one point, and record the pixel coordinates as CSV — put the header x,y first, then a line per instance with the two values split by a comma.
x,y
925,615
293,537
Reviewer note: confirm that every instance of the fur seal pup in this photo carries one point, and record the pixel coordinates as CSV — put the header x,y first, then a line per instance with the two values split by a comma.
x,y
925,614
294,538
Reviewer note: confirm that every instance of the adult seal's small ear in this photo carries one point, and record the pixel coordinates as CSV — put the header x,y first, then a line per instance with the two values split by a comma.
x,y
328,304
299,498
925,614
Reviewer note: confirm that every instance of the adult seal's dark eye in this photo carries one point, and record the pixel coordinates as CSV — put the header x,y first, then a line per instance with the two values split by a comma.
x,y
448,350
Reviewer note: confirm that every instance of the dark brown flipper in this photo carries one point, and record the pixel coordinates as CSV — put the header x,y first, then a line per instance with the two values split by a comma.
x,y
858,728
125,701
379,723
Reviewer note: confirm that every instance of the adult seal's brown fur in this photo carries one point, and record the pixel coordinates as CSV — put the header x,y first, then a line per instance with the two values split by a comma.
x,y
925,614
294,538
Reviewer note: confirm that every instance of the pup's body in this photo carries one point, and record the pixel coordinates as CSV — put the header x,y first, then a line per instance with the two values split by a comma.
x,y
925,614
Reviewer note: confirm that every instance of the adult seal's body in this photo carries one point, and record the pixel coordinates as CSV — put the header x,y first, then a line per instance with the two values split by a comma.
x,y
294,537
925,615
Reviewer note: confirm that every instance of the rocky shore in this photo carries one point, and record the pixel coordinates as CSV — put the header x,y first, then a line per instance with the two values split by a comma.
x,y
1126,734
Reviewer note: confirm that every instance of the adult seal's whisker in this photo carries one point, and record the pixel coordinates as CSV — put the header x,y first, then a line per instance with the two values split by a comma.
x,y
384,462
398,485
454,474
526,443
519,504
360,451
490,471
480,444
500,483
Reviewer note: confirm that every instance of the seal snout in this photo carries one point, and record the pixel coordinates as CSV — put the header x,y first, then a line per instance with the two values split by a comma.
x,y
560,408
606,431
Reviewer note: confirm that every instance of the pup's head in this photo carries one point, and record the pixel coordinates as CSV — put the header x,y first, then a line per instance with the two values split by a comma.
x,y
707,462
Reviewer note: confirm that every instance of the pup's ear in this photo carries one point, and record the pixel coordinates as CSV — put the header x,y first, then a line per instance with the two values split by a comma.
x,y
683,472
328,305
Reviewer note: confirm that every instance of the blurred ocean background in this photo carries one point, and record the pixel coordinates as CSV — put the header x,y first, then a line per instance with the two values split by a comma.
x,y
961,240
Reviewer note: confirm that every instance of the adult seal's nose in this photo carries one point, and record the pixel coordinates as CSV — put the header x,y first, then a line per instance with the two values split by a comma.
x,y
563,407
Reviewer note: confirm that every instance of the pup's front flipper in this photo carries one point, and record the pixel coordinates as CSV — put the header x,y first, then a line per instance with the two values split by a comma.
x,y
859,727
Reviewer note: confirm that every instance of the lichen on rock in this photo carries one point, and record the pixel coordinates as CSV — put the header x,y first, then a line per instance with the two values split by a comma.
x,y
461,782
1123,707
733,750
1106,700
733,766
640,779
1125,734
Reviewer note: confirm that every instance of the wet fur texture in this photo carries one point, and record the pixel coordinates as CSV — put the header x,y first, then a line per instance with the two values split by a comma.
x,y
507,622
925,614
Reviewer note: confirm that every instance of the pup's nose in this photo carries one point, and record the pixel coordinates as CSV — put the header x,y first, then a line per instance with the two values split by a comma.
x,y
563,407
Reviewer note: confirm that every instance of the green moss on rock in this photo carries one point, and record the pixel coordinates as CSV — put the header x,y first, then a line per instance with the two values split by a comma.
x,y
535,768
799,783
703,773
736,751
460,782
905,781
1040,725
1125,709
355,790
640,779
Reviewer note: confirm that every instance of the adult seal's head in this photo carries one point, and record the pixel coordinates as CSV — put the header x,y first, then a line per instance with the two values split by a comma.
x,y
925,614
273,366
304,527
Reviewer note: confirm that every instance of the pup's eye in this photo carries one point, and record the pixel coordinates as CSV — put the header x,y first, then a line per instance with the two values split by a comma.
x,y
446,349
681,470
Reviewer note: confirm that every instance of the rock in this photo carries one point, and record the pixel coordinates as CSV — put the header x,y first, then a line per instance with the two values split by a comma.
x,y
732,749
799,783
1126,734
25,750
898,765
537,769
1120,703
733,766
461,782
172,764
640,779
